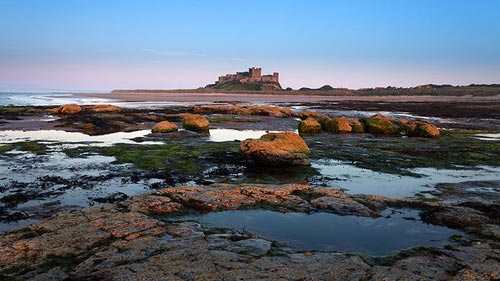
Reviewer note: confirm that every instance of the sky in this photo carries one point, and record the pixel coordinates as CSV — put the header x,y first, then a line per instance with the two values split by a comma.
x,y
96,45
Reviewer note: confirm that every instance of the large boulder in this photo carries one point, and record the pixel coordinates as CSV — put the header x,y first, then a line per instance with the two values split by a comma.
x,y
195,122
277,149
71,108
422,129
337,125
309,126
381,124
164,127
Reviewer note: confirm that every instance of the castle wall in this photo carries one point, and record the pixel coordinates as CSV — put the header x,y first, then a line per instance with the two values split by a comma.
x,y
253,75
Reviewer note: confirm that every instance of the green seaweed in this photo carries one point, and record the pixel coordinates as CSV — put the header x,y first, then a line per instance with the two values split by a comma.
x,y
149,157
396,155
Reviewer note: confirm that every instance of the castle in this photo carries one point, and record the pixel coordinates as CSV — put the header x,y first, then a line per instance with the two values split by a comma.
x,y
251,76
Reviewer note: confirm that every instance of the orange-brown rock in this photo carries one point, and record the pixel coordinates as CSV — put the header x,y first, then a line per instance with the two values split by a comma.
x,y
309,126
357,127
70,108
337,125
195,122
246,110
103,108
222,109
307,113
277,149
380,124
422,129
231,197
164,127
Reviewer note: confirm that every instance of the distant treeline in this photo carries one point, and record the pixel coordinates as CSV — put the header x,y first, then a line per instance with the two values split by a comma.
x,y
327,90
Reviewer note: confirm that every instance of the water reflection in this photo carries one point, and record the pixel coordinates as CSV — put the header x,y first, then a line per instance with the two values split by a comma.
x,y
363,181
401,229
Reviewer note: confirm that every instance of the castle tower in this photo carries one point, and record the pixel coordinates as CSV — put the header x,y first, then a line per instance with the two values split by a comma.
x,y
255,74
276,77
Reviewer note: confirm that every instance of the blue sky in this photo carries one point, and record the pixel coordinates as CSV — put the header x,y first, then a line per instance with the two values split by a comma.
x,y
103,45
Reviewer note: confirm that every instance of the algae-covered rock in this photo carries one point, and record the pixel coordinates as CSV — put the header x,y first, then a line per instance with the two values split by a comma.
x,y
195,122
307,113
277,149
337,125
380,124
263,110
422,129
164,127
71,108
309,126
357,127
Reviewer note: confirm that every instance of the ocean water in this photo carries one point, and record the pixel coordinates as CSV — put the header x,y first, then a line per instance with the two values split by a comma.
x,y
45,99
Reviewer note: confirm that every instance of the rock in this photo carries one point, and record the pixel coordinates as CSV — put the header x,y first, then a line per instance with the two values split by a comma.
x,y
357,127
337,125
277,149
164,127
306,114
232,197
195,122
309,126
254,246
455,217
421,129
380,124
70,108
222,109
246,110
341,206
103,108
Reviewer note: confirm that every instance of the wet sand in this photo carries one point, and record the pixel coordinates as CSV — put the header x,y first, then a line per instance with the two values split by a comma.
x,y
219,97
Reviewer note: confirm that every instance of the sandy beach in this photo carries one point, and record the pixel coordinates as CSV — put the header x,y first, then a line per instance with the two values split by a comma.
x,y
220,97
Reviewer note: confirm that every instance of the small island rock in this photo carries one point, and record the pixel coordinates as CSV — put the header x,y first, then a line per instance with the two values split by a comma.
x,y
277,149
164,127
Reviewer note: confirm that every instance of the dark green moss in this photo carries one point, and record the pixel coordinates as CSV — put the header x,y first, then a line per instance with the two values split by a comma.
x,y
7,147
15,110
172,155
396,154
32,146
390,260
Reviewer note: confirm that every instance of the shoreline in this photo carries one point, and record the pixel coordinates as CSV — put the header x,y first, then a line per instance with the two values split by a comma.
x,y
221,97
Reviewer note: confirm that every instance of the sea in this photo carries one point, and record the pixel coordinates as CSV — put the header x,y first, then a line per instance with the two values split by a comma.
x,y
46,99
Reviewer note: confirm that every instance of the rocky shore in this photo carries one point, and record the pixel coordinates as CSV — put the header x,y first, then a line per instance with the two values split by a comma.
x,y
134,239
150,236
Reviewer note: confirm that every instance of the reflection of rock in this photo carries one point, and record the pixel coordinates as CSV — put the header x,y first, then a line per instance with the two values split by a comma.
x,y
164,127
246,110
309,126
337,125
194,122
422,129
277,149
70,108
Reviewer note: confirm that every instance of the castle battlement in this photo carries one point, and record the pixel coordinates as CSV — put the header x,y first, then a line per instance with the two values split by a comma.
x,y
251,76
